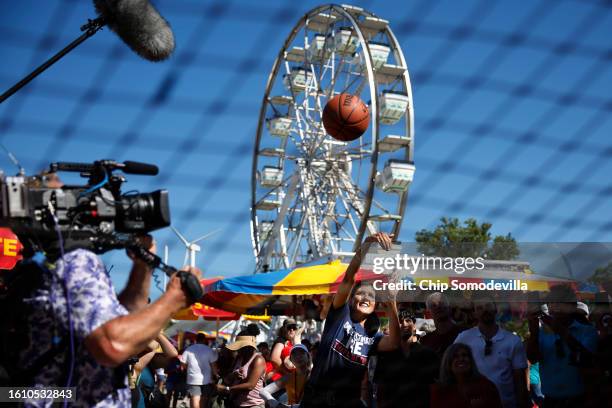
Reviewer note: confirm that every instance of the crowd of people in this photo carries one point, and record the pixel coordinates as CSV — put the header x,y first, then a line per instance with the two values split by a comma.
x,y
564,360
467,358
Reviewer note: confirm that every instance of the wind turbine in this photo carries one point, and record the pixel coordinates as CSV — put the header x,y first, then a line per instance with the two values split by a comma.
x,y
192,247
166,262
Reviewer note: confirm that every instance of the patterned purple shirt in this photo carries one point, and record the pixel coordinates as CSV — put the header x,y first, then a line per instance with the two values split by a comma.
x,y
93,303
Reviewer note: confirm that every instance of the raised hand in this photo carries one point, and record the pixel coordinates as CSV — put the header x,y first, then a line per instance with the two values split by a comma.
x,y
382,238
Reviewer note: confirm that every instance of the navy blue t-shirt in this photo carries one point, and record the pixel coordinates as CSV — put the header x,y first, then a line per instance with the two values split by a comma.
x,y
342,357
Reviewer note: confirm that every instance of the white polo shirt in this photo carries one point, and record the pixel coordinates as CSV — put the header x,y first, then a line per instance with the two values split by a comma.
x,y
198,358
507,355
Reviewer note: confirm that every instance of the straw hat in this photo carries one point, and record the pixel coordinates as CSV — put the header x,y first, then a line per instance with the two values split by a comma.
x,y
243,341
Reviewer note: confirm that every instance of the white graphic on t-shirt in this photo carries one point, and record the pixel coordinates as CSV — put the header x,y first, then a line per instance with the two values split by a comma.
x,y
353,349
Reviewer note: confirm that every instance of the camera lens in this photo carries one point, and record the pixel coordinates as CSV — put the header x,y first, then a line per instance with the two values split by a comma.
x,y
143,212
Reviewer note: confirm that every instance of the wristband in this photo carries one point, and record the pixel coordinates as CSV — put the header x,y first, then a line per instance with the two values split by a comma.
x,y
227,389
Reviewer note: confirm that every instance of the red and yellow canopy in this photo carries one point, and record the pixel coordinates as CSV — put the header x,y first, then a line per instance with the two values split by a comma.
x,y
275,293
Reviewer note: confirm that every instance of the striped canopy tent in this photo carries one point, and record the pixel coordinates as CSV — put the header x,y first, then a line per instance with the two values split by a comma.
x,y
197,310
274,293
279,292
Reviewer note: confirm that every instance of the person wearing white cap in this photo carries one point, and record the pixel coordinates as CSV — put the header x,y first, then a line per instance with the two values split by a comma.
x,y
582,307
582,313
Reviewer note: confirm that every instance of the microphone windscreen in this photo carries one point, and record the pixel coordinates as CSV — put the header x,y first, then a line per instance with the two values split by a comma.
x,y
139,25
132,167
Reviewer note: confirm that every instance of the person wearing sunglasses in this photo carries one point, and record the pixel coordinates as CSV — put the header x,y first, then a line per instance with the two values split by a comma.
x,y
351,335
564,347
289,334
499,355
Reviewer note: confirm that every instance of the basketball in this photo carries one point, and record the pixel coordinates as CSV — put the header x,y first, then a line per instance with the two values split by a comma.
x,y
346,117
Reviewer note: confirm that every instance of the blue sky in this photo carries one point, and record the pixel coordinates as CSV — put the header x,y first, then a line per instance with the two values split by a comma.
x,y
512,111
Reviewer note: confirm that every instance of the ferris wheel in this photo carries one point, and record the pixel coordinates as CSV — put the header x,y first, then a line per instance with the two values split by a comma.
x,y
314,196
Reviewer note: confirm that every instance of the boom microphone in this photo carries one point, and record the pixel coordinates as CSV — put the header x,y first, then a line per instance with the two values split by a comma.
x,y
139,25
132,167
129,167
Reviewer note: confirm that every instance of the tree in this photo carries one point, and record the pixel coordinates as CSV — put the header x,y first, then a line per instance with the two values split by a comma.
x,y
602,276
503,248
451,239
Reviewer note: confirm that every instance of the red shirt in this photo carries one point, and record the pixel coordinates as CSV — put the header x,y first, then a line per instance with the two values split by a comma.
x,y
286,351
280,371
479,393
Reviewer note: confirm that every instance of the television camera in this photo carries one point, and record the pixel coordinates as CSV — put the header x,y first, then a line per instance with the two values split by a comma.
x,y
56,218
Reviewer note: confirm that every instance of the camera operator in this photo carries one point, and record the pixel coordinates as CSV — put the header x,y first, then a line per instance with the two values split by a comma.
x,y
65,325
107,329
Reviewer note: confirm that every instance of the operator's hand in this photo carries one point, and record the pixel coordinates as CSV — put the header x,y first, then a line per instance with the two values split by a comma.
x,y
175,290
146,241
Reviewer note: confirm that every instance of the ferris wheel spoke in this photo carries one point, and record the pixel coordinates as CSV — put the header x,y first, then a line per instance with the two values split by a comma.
x,y
348,85
321,137
349,217
343,201
295,244
275,230
343,155
278,190
354,193
340,221
309,211
375,202
294,231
